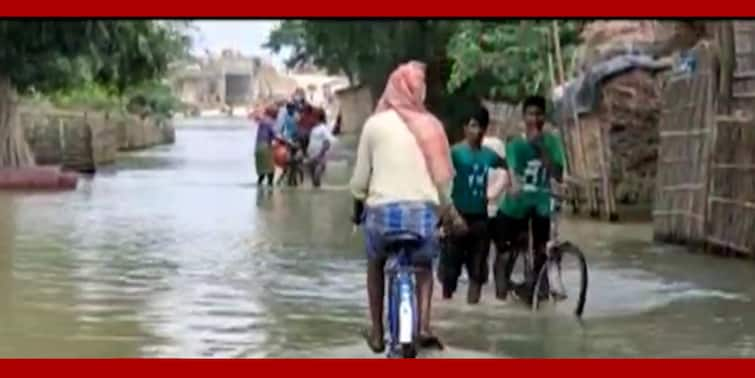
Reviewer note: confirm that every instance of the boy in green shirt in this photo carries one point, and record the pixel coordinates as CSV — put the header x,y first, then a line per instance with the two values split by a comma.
x,y
471,161
533,162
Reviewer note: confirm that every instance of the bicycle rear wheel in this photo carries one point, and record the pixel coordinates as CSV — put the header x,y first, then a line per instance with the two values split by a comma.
x,y
564,277
402,321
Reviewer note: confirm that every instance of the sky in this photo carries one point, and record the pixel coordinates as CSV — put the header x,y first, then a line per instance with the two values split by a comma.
x,y
246,36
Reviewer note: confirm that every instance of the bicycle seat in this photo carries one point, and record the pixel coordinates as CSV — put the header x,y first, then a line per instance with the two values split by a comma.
x,y
404,239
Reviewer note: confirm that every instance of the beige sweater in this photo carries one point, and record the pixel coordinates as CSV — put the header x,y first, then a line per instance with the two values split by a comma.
x,y
390,166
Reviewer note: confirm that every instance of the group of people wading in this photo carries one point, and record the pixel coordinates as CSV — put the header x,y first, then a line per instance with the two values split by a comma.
x,y
407,178
292,135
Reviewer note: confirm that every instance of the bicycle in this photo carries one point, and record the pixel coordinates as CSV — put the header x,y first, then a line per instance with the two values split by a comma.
x,y
402,315
556,250
294,171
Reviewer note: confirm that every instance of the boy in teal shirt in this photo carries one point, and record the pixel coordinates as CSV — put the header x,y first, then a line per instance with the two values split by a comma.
x,y
533,161
471,161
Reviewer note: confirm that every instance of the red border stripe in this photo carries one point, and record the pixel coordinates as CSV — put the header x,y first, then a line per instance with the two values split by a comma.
x,y
382,8
614,368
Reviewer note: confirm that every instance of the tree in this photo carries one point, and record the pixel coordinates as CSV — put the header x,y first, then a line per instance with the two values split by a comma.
x,y
48,56
338,46
507,60
367,51
154,99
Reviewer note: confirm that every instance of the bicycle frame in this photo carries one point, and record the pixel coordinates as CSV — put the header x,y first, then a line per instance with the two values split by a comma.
x,y
555,250
553,240
293,173
552,253
402,304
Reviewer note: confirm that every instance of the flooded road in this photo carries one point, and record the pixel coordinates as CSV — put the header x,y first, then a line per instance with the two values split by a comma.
x,y
174,252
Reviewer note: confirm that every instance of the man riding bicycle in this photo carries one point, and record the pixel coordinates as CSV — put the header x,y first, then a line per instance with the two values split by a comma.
x,y
403,163
533,160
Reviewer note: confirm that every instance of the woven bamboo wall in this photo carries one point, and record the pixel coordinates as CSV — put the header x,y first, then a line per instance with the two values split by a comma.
x,y
706,181
78,136
83,141
731,202
104,138
585,158
134,133
687,120
745,45
44,137
732,189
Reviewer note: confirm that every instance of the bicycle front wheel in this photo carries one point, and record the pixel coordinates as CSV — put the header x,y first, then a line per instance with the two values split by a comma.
x,y
563,279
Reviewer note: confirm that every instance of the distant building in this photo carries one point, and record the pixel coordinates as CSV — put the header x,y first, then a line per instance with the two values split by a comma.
x,y
229,79
233,80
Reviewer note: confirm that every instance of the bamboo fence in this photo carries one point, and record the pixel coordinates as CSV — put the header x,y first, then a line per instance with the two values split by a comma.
x,y
731,201
706,171
84,141
731,225
687,120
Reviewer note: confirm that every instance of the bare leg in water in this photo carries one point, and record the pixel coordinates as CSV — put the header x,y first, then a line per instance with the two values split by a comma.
x,y
283,176
424,298
375,294
317,169
502,268
265,177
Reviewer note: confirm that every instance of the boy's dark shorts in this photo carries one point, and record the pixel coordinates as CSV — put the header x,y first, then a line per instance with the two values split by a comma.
x,y
470,251
509,232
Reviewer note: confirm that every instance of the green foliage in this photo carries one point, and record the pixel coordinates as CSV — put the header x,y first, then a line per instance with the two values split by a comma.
x,y
53,55
367,51
154,99
467,60
89,96
507,59
150,99
100,65
331,45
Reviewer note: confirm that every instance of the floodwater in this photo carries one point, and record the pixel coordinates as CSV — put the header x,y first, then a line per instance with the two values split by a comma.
x,y
175,252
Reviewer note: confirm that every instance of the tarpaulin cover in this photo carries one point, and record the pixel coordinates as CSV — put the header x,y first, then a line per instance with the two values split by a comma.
x,y
583,93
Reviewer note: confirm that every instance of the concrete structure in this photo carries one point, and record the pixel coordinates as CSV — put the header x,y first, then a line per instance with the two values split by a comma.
x,y
234,80
356,105
230,79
